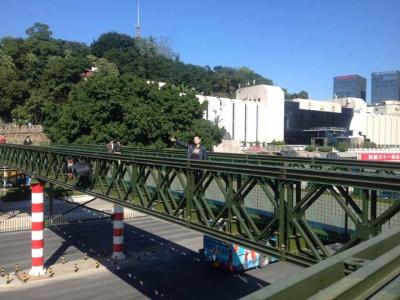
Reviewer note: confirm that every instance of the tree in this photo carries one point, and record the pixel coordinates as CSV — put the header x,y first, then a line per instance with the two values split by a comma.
x,y
39,31
8,77
104,67
163,48
301,95
112,41
131,110
155,60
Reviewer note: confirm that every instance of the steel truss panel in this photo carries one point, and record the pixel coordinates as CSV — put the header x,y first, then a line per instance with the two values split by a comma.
x,y
148,184
357,273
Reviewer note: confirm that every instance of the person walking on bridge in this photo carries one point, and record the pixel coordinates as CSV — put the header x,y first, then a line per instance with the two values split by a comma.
x,y
114,146
194,151
28,140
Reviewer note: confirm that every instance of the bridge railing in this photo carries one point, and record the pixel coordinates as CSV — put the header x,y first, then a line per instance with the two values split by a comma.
x,y
243,203
358,273
301,162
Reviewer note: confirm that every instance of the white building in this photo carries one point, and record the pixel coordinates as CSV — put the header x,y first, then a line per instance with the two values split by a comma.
x,y
257,115
270,101
380,123
388,107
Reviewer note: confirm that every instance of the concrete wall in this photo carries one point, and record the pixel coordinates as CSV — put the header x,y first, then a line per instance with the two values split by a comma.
x,y
382,129
16,134
251,122
270,102
226,118
239,120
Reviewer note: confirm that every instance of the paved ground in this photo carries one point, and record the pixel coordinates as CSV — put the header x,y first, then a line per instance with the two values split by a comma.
x,y
163,262
22,208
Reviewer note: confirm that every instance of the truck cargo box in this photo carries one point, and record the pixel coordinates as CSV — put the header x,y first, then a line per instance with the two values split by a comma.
x,y
233,257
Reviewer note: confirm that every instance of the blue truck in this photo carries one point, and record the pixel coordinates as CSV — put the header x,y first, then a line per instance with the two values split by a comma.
x,y
233,257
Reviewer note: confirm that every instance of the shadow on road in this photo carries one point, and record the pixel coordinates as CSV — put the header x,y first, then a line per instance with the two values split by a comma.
x,y
155,266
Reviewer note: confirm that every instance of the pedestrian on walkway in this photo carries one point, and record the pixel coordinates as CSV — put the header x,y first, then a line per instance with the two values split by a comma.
x,y
111,146
70,171
28,140
194,151
114,146
117,147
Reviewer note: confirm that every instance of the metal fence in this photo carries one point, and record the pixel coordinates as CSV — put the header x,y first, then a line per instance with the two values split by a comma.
x,y
325,216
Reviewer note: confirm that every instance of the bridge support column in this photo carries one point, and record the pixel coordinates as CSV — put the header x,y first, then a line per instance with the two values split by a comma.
x,y
118,233
37,229
51,199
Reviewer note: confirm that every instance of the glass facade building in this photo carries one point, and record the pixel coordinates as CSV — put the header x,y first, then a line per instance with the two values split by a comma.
x,y
350,86
385,86
302,125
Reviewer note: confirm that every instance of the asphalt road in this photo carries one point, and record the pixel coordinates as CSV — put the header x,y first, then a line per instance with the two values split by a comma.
x,y
163,262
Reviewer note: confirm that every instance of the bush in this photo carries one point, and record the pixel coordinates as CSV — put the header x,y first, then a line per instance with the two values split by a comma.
x,y
310,148
277,143
368,144
342,146
325,149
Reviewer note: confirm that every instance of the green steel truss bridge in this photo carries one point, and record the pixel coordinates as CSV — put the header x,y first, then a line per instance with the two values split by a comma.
x,y
221,204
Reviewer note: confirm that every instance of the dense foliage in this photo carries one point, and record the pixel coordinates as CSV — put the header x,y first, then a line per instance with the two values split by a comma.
x,y
310,148
130,110
325,149
41,82
342,146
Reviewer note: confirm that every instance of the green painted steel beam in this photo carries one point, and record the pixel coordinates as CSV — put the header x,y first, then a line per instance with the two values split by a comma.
x,y
301,162
347,275
379,181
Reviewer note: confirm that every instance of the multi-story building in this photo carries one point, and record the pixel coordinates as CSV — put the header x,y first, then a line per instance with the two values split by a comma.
x,y
385,86
308,121
350,86
256,115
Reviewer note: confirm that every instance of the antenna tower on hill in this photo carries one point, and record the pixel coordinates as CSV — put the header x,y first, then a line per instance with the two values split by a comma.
x,y
138,29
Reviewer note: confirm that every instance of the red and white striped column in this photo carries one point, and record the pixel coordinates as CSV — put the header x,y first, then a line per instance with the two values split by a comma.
x,y
118,233
37,229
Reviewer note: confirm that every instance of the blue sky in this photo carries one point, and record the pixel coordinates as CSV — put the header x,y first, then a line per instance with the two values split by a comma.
x,y
299,44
